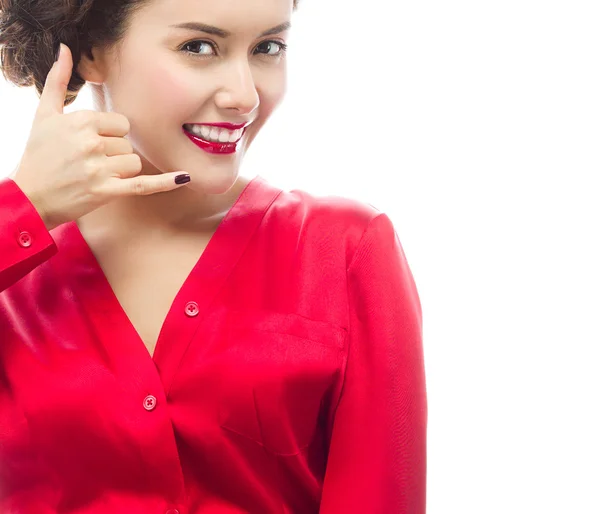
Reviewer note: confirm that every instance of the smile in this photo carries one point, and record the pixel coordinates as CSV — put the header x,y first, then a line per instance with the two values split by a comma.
x,y
197,135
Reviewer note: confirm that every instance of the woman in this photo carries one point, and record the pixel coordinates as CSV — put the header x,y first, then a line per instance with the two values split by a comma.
x,y
213,346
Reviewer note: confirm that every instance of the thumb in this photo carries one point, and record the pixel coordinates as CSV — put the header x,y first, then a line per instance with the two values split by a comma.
x,y
52,99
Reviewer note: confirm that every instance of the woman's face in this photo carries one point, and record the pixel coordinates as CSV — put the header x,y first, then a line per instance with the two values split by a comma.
x,y
164,77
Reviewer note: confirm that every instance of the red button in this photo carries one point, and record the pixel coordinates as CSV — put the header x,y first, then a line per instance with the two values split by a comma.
x,y
172,511
25,239
149,402
191,309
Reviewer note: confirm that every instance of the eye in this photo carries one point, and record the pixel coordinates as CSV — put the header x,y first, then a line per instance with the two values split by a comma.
x,y
270,45
193,44
274,49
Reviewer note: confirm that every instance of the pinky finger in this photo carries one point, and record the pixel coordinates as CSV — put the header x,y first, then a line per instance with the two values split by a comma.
x,y
143,185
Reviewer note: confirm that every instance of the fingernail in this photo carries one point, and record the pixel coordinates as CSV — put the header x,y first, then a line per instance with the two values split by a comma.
x,y
182,179
57,52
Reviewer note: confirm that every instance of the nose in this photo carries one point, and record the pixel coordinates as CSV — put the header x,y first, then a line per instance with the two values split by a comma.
x,y
239,91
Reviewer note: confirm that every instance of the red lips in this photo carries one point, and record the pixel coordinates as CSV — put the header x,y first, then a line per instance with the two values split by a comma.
x,y
230,126
211,147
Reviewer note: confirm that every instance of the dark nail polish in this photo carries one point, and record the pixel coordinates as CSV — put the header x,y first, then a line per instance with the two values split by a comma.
x,y
182,179
57,53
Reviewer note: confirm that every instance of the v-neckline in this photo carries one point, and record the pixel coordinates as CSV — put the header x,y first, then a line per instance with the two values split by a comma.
x,y
191,303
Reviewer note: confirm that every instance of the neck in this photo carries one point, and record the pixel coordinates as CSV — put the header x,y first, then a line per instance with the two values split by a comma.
x,y
176,211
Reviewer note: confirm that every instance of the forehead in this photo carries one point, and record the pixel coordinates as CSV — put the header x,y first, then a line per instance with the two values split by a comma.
x,y
239,17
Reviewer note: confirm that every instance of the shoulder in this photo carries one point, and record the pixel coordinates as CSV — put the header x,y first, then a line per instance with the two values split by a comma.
x,y
336,215
323,228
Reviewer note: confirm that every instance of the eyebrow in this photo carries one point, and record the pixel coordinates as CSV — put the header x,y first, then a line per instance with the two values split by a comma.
x,y
209,29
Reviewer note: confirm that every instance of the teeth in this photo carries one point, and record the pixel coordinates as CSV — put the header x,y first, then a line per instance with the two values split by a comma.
x,y
215,134
204,131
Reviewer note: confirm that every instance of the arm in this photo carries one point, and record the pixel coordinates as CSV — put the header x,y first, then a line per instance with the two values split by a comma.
x,y
25,242
377,453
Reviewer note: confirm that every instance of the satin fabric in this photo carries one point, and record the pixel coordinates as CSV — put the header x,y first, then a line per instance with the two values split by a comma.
x,y
288,376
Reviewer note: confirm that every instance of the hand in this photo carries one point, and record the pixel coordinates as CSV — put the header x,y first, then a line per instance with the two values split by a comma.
x,y
74,163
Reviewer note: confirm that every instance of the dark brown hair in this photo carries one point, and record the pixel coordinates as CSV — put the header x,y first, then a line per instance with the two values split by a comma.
x,y
31,31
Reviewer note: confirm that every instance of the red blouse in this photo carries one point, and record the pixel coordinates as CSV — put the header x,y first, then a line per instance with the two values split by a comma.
x,y
288,376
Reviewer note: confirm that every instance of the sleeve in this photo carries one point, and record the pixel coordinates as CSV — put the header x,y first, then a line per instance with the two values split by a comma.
x,y
25,241
377,452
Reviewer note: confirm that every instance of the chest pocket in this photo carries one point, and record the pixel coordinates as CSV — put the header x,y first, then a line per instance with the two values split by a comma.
x,y
279,369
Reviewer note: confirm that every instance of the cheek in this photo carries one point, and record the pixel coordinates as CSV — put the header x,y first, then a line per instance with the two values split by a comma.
x,y
170,94
270,99
272,92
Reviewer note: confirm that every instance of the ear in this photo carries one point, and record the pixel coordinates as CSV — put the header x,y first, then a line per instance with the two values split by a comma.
x,y
91,67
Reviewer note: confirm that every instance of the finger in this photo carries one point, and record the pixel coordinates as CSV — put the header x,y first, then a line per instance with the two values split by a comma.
x,y
117,146
52,99
123,166
143,185
111,123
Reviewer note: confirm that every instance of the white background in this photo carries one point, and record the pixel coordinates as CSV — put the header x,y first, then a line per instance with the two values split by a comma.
x,y
475,126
